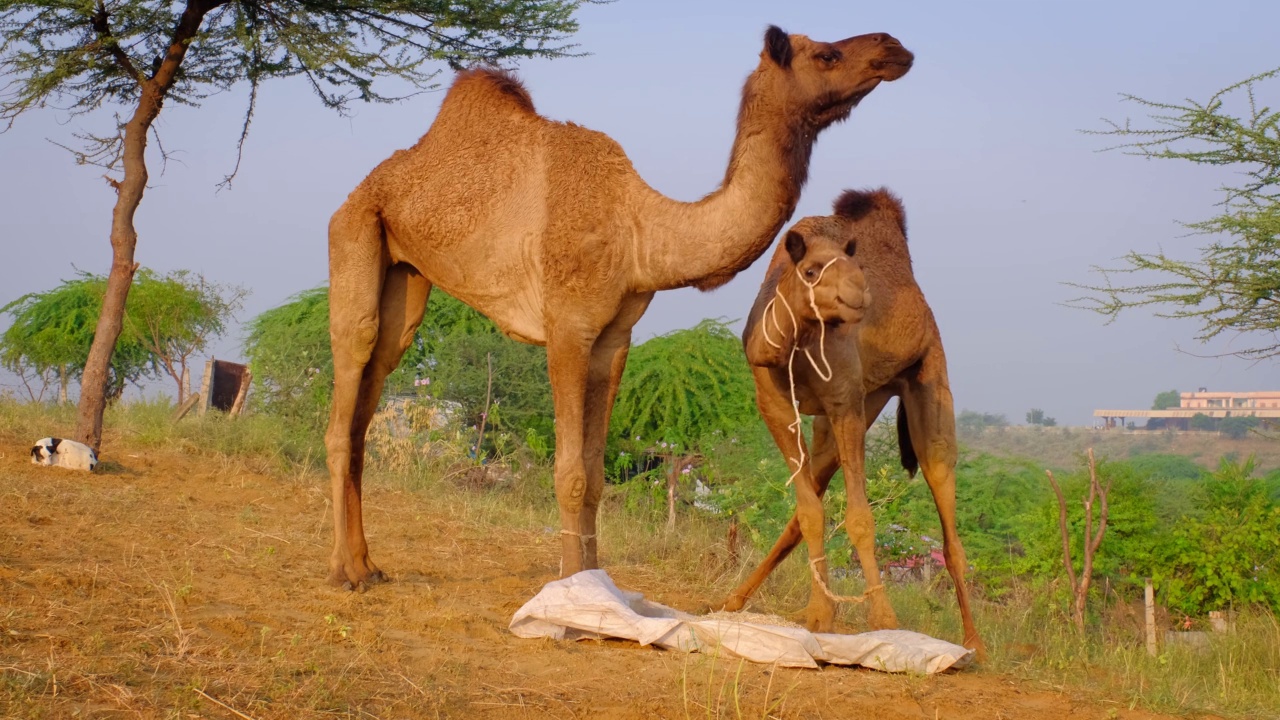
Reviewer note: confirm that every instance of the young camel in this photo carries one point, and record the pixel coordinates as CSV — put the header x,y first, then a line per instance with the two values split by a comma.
x,y
894,351
547,229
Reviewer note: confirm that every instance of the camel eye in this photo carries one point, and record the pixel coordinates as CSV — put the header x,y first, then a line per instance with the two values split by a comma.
x,y
809,273
829,57
851,248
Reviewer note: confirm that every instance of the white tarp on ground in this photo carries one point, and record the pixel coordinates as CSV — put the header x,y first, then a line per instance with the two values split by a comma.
x,y
589,605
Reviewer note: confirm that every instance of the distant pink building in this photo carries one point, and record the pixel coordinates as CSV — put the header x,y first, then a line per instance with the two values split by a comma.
x,y
1259,404
1239,401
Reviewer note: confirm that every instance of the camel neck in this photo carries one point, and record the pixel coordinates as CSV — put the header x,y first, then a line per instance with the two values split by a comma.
x,y
706,243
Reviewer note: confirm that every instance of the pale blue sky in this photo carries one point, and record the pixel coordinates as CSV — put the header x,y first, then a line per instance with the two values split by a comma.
x,y
1005,198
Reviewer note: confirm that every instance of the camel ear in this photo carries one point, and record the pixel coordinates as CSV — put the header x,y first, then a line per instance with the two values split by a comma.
x,y
851,247
778,44
795,246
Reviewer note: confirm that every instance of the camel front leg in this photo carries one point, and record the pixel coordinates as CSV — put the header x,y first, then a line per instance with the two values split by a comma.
x,y
824,464
850,434
568,364
775,407
931,424
826,460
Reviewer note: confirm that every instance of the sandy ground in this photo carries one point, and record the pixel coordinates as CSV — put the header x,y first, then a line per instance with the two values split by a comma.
x,y
174,585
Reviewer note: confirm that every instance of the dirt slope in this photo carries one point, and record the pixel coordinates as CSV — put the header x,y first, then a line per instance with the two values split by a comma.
x,y
171,583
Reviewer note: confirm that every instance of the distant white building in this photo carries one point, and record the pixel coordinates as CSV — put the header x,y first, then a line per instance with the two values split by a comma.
x,y
1259,404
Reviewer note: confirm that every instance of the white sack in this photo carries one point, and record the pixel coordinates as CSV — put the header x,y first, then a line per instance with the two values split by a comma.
x,y
589,605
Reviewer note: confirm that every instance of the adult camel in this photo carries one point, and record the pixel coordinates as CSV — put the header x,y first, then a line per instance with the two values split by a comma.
x,y
546,228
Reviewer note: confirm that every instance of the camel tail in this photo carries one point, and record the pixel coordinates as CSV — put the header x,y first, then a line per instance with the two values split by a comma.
x,y
908,453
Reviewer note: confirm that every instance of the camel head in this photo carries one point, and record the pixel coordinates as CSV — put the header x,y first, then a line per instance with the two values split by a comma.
x,y
822,82
823,273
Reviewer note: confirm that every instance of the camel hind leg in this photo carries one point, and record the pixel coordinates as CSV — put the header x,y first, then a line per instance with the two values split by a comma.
x,y
374,308
930,415
608,360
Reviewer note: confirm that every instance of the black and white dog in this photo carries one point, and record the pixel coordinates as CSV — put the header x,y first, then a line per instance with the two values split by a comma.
x,y
63,453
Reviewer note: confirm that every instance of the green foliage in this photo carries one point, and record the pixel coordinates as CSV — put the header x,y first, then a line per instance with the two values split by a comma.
x,y
1167,399
290,358
1237,426
1167,467
972,422
686,388
1234,286
1200,421
1036,416
175,316
1134,528
80,56
1230,554
993,494
51,331
292,363
168,318
451,356
749,479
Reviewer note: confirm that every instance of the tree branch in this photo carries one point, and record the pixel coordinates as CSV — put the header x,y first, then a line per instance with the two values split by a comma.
x,y
1066,536
101,26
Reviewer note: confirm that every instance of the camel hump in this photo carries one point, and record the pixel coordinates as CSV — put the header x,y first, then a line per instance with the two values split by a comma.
x,y
857,204
493,81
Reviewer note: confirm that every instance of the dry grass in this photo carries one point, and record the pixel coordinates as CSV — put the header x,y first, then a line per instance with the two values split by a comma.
x,y
185,581
1061,447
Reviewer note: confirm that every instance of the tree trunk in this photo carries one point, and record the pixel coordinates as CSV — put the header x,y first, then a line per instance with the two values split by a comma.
x,y
62,385
124,239
129,190
1080,585
484,415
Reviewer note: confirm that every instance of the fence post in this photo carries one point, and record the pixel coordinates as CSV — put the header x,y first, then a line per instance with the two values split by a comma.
x,y
206,386
1149,595
237,407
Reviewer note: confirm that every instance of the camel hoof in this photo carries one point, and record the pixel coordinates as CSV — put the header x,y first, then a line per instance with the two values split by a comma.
x,y
978,647
820,626
734,603
342,580
882,623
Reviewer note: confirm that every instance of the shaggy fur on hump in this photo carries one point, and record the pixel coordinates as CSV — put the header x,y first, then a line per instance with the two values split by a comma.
x,y
502,80
857,204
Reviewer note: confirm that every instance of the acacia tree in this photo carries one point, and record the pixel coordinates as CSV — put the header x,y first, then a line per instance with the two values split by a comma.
x,y
1234,286
175,316
682,391
167,319
1090,540
1167,399
458,356
50,335
134,55
1036,416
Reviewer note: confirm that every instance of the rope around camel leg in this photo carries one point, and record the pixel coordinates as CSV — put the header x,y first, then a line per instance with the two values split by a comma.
x,y
822,584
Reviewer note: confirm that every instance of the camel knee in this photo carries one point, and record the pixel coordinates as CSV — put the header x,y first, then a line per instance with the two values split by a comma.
x,y
809,515
361,341
571,490
861,527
